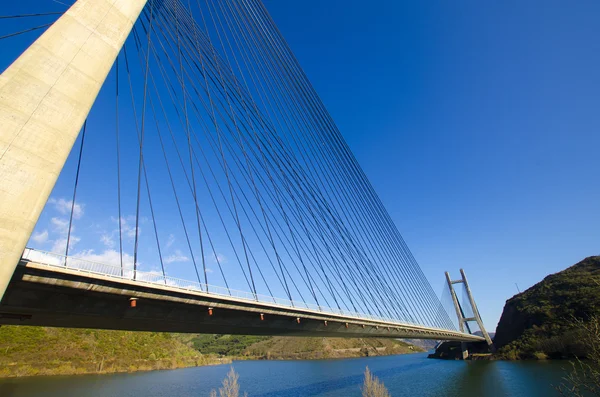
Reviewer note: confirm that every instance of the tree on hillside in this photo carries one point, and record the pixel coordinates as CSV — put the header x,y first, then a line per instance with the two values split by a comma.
x,y
372,387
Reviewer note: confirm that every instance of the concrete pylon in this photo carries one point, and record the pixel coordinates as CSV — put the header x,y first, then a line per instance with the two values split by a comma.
x,y
45,97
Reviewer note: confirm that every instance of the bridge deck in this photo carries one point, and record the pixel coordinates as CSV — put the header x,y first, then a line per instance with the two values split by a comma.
x,y
52,295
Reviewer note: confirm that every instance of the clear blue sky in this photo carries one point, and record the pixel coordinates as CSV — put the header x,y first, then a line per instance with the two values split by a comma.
x,y
476,123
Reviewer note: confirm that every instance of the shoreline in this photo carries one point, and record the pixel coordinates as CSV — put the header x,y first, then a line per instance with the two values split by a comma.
x,y
25,370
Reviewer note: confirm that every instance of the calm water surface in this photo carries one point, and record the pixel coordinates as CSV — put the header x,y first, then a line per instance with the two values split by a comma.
x,y
405,375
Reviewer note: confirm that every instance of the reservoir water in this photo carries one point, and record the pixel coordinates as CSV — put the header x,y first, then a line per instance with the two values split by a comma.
x,y
403,375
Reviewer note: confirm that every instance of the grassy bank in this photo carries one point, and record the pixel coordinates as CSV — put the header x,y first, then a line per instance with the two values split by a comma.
x,y
28,351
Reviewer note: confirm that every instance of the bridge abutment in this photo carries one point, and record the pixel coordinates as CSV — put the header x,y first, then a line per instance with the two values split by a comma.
x,y
45,97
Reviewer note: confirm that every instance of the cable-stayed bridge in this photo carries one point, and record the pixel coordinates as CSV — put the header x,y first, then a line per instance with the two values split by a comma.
x,y
208,157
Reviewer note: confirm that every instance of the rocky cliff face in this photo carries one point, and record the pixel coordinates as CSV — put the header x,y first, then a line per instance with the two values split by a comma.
x,y
540,319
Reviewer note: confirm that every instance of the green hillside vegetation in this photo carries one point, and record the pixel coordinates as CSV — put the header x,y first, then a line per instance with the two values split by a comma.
x,y
26,351
225,345
289,348
539,322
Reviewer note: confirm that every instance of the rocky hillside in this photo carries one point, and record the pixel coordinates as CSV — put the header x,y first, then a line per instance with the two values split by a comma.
x,y
537,323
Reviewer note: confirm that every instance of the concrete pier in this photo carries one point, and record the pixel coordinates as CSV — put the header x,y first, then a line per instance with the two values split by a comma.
x,y
45,97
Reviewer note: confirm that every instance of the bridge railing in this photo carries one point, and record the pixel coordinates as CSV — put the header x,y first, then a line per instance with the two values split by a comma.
x,y
156,278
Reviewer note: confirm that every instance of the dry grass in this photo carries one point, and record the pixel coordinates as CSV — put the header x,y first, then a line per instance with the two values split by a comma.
x,y
231,387
372,387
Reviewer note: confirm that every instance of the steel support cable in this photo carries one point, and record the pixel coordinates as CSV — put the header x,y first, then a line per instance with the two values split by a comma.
x,y
213,200
189,184
75,191
340,205
227,233
60,2
141,144
138,128
187,128
160,256
225,161
228,237
178,205
140,135
252,255
30,15
291,170
369,261
229,63
361,271
212,197
172,181
183,167
288,93
254,259
188,181
376,268
251,285
243,209
254,134
6,36
118,164
245,197
246,62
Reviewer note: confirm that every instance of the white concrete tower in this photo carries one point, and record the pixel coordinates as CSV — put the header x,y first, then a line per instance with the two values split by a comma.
x,y
45,97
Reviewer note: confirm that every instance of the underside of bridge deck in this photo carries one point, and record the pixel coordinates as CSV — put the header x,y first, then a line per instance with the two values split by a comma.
x,y
41,296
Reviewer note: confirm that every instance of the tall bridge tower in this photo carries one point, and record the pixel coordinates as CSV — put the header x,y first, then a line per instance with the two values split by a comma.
x,y
45,97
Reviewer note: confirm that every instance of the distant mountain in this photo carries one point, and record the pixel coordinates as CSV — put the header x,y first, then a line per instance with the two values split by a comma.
x,y
539,321
479,333
425,344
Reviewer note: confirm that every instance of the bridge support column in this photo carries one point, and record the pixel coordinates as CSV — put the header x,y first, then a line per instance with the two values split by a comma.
x,y
45,97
